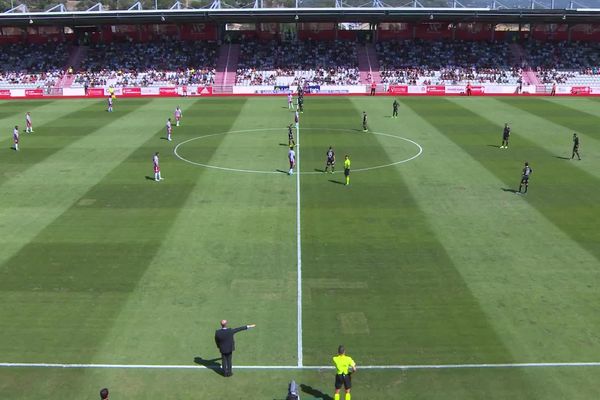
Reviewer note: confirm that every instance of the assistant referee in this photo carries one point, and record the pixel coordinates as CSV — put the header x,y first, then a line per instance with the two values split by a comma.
x,y
344,366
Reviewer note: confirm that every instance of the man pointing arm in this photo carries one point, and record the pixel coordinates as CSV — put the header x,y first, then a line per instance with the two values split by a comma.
x,y
226,344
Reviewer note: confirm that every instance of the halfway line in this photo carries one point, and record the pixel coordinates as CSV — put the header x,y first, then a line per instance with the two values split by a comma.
x,y
296,367
298,248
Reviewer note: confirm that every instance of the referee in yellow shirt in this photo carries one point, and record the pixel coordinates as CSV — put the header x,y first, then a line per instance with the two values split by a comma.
x,y
347,169
344,366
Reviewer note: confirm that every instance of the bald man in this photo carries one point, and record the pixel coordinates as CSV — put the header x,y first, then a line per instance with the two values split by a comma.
x,y
226,344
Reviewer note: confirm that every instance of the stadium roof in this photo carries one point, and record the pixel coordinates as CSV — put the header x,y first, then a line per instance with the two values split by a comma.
x,y
495,12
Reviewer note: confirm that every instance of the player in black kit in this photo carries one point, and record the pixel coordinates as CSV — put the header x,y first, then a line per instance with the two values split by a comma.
x,y
505,136
575,147
527,170
395,105
291,141
364,122
301,104
330,160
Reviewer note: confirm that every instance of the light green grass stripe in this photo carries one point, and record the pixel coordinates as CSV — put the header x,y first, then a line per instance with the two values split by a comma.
x,y
62,178
227,255
515,276
555,138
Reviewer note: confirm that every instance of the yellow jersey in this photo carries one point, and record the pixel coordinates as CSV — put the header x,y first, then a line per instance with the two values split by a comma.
x,y
347,163
343,364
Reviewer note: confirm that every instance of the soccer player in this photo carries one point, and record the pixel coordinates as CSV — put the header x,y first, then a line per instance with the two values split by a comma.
x,y
156,167
297,120
178,114
291,141
16,138
292,160
110,104
347,169
300,104
344,367
28,124
290,101
395,105
575,147
364,122
330,160
505,136
169,129
527,170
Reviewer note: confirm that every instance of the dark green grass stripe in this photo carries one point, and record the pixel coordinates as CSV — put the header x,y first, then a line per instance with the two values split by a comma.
x,y
55,135
16,110
97,250
565,195
375,276
559,114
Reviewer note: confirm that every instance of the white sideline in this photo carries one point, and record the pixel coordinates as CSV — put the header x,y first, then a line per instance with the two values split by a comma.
x,y
298,249
306,367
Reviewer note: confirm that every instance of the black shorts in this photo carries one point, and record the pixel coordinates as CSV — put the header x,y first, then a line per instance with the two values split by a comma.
x,y
524,179
346,172
505,138
343,380
330,161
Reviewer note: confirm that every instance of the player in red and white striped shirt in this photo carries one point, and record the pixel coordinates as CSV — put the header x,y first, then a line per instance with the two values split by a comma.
x,y
169,129
156,167
16,138
178,114
28,124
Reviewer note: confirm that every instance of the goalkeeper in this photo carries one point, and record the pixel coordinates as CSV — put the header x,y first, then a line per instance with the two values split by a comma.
x,y
344,366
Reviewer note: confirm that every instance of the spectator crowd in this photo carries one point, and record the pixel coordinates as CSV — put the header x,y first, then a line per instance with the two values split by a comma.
x,y
415,62
32,65
169,62
297,62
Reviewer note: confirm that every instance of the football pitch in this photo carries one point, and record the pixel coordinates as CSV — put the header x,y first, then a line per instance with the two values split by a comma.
x,y
441,281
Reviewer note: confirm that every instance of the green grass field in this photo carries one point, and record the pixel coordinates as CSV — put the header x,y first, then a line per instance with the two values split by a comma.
x,y
432,261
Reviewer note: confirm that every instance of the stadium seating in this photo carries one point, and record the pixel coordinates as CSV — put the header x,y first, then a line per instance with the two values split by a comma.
x,y
145,64
442,62
292,63
575,63
32,65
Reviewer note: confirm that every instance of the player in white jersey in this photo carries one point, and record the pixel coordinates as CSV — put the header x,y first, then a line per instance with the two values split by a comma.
x,y
178,114
169,129
290,101
297,120
292,160
110,104
28,124
156,167
16,138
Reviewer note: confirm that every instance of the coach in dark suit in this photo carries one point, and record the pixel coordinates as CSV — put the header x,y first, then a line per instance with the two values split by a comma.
x,y
226,344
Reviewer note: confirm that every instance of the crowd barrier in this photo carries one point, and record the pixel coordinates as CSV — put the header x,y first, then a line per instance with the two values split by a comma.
x,y
392,90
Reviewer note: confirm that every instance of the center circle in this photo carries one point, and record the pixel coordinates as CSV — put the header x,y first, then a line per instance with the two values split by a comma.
x,y
280,145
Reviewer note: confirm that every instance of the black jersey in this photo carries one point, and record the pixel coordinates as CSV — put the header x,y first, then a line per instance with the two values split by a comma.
x,y
527,171
506,132
290,134
364,118
395,105
330,154
576,142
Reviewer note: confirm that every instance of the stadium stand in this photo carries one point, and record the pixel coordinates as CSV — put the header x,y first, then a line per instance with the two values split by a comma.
x,y
292,63
32,65
145,64
446,62
575,63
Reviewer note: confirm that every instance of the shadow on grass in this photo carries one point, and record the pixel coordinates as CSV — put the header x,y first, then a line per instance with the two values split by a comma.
x,y
562,158
338,182
316,393
510,190
211,364
283,144
282,171
494,145
150,178
319,170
